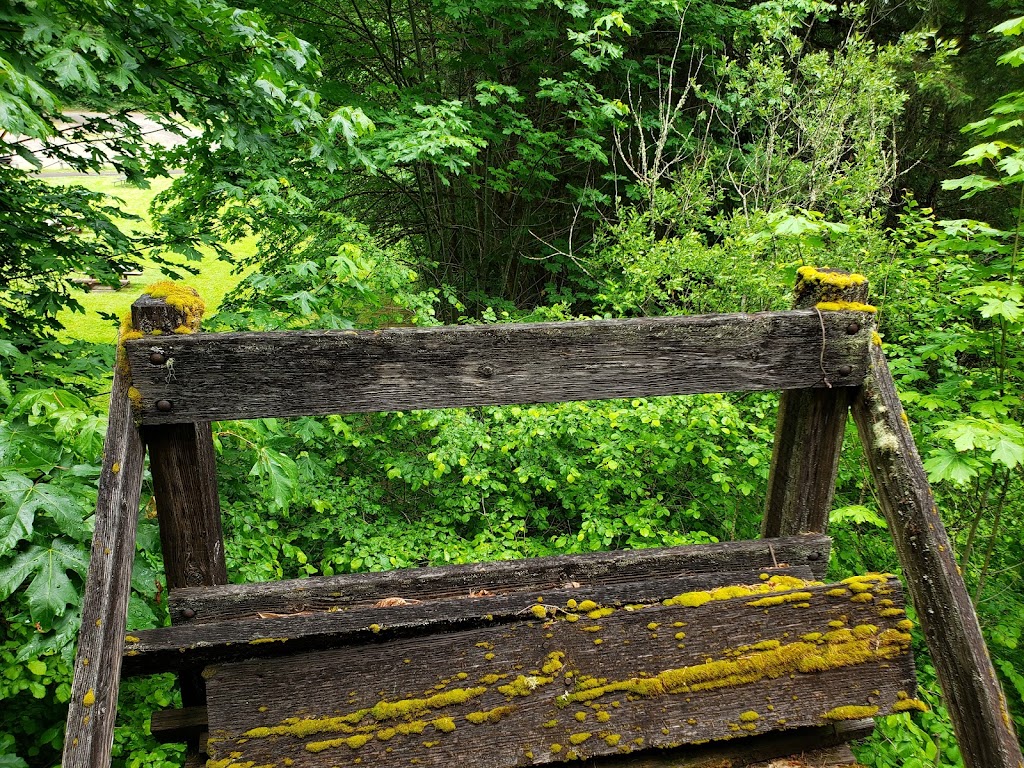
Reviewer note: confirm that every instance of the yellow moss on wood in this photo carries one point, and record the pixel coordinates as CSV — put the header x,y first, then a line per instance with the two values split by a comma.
x,y
844,306
850,712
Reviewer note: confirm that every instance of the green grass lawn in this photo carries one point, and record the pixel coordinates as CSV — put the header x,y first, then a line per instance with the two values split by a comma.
x,y
216,277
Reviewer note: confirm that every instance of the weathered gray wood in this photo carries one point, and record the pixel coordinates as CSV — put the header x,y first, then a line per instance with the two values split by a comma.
x,y
817,747
811,422
540,691
89,734
250,375
971,689
171,726
182,462
184,469
180,647
235,601
801,748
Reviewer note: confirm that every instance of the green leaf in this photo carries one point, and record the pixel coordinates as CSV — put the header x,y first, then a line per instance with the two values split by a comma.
x,y
17,518
50,591
944,464
858,513
1008,452
1010,26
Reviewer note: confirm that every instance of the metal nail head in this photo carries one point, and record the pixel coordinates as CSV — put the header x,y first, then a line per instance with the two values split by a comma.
x,y
164,405
844,370
852,328
188,613
157,358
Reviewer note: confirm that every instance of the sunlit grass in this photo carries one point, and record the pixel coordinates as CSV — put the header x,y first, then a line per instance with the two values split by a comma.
x,y
216,277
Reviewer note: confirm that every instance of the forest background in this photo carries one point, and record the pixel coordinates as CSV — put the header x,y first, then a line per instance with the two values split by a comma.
x,y
368,163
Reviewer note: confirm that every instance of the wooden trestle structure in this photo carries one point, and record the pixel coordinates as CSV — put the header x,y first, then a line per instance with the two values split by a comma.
x,y
722,654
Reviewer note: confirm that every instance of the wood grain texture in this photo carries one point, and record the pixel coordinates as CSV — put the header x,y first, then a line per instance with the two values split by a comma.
x,y
817,747
184,469
93,706
251,375
235,601
541,691
971,689
180,647
809,430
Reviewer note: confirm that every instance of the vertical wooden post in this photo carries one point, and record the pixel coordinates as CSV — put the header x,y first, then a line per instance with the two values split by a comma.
x,y
973,695
183,465
810,426
89,735
184,469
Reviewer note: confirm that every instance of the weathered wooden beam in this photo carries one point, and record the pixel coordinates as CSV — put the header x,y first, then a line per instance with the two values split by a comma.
x,y
92,709
811,422
553,689
816,747
181,459
182,647
235,601
971,689
183,465
171,726
250,375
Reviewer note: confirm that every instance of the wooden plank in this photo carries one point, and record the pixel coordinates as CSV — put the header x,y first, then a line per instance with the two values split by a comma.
x,y
170,726
179,647
92,709
182,461
251,375
540,691
800,748
234,601
184,470
811,422
971,689
815,747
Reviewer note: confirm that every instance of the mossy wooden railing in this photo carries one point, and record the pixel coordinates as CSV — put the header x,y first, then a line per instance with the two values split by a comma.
x,y
542,660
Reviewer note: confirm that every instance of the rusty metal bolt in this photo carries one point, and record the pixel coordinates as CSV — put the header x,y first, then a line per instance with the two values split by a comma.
x,y
188,613
486,371
844,370
164,405
157,358
852,328
814,556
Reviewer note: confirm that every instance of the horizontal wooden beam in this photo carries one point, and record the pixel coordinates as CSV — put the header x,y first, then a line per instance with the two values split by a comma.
x,y
237,601
816,746
190,646
705,666
254,375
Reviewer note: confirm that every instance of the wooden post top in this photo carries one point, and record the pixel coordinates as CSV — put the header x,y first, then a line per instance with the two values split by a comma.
x,y
167,307
833,288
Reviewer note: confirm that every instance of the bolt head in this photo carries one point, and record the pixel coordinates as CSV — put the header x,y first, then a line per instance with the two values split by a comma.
x,y
188,613
486,371
164,405
853,328
157,358
814,556
844,370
